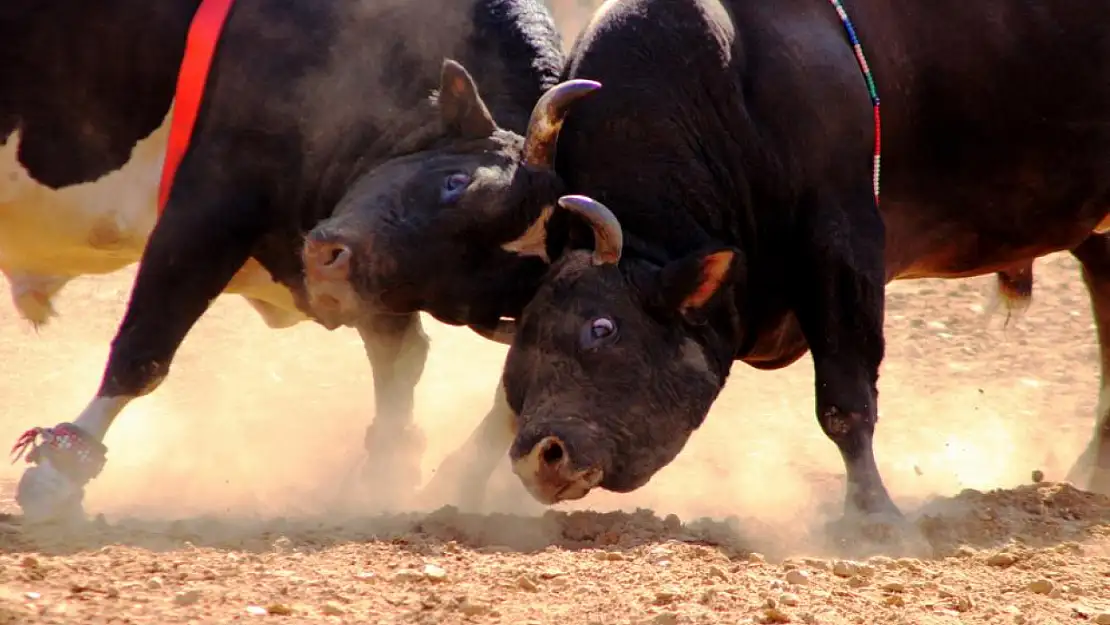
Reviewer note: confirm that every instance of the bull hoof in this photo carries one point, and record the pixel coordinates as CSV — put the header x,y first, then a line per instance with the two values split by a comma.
x,y
46,495
450,486
382,485
65,459
861,535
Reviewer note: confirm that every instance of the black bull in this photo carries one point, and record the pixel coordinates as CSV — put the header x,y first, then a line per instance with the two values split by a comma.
x,y
733,143
304,98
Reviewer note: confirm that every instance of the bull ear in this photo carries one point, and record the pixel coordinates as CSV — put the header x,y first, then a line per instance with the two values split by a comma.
x,y
462,109
689,284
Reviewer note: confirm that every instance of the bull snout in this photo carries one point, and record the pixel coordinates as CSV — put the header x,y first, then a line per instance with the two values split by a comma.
x,y
548,473
327,278
326,260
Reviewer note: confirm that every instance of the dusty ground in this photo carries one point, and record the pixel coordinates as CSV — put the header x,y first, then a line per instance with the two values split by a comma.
x,y
219,496
221,499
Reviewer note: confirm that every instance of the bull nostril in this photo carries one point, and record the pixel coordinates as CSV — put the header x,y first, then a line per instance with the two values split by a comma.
x,y
552,452
337,255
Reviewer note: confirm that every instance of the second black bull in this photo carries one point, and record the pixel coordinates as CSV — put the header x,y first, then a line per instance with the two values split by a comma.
x,y
732,143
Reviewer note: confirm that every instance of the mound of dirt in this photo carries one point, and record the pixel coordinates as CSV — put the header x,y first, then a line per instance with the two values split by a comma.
x,y
1033,554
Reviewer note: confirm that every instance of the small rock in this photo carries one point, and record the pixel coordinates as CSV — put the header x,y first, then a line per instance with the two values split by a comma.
x,y
551,574
611,556
434,573
1102,618
1040,586
797,577
472,608
718,572
279,609
527,584
962,604
665,618
255,610
666,595
817,564
845,568
894,601
1001,559
756,557
1038,476
788,598
332,608
29,562
189,597
965,552
894,587
32,596
775,615
406,575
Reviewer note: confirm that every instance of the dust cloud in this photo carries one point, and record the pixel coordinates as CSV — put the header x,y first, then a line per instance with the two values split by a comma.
x,y
263,423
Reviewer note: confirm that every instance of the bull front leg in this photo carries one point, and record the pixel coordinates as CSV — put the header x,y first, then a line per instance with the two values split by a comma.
x,y
838,295
397,348
1092,469
202,239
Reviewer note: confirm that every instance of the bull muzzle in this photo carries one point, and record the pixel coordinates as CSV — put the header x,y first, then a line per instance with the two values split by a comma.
x,y
548,475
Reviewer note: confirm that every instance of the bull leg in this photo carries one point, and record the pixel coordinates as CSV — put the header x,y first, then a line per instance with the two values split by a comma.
x,y
1092,469
397,348
203,238
839,302
462,478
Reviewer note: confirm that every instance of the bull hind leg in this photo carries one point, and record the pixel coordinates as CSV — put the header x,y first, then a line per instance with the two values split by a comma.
x,y
397,348
202,239
1092,469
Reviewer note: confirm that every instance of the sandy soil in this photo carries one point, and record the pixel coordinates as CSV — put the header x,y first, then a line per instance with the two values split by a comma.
x,y
222,498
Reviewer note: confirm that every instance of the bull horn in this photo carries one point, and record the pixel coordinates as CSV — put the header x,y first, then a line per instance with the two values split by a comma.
x,y
608,236
547,120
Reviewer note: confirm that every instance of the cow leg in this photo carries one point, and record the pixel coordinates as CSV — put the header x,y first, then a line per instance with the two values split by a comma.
x,y
398,349
203,238
462,478
1092,469
839,302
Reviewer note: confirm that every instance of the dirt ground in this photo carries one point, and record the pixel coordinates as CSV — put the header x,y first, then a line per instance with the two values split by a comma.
x,y
219,500
223,496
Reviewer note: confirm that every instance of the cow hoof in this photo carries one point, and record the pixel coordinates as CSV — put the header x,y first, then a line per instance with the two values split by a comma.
x,y
47,495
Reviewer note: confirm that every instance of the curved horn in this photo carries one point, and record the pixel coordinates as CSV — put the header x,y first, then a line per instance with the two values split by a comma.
x,y
547,120
608,237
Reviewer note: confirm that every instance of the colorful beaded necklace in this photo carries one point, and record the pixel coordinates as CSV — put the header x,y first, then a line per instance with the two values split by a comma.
x,y
858,49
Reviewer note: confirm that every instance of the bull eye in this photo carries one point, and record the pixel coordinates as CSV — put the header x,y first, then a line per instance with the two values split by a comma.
x,y
453,186
598,332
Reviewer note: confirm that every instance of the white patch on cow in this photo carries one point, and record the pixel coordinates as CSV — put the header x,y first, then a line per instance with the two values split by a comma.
x,y
532,242
48,237
98,416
